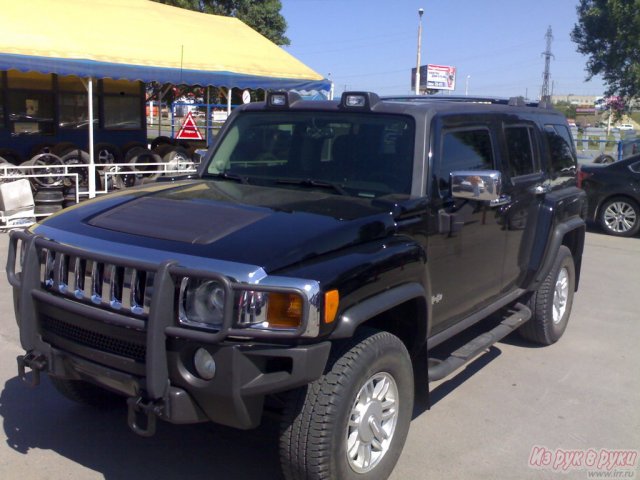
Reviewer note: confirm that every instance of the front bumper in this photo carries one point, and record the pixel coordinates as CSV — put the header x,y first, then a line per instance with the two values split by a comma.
x,y
149,358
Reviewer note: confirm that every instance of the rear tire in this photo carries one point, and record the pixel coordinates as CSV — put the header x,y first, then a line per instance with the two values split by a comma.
x,y
353,421
619,216
551,304
604,159
86,393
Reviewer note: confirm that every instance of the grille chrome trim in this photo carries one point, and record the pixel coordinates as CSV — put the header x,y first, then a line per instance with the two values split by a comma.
x,y
107,285
61,266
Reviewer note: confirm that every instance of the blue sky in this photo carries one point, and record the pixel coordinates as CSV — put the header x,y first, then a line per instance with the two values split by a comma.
x,y
371,44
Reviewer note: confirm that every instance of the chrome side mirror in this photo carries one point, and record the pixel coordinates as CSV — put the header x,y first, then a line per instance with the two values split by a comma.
x,y
481,185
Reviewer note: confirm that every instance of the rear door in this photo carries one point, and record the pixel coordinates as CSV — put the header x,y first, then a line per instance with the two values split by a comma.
x,y
526,184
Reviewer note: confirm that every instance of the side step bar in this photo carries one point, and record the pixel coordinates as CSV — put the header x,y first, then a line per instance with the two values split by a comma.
x,y
438,369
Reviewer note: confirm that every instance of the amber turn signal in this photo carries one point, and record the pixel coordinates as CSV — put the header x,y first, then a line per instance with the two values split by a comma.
x,y
284,310
331,301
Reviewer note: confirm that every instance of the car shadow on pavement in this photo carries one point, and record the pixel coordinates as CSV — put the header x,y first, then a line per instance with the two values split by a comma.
x,y
99,440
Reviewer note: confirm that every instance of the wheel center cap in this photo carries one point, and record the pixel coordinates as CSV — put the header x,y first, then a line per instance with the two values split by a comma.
x,y
371,418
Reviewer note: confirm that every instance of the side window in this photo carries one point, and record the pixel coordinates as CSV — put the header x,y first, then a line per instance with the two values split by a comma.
x,y
121,104
520,152
563,158
469,149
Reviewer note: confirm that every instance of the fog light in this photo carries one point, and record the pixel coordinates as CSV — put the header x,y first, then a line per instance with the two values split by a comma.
x,y
205,364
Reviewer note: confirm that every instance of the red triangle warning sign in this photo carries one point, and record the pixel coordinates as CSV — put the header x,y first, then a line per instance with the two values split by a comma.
x,y
189,129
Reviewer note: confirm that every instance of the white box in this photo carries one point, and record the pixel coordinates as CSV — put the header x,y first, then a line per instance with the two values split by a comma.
x,y
15,195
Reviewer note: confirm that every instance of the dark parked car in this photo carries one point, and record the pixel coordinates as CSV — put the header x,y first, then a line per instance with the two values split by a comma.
x,y
630,147
613,193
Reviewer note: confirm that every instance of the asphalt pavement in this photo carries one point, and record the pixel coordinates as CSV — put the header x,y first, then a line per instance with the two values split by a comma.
x,y
516,412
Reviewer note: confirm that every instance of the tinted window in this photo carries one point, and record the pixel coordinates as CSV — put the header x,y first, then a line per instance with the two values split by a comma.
x,y
521,159
31,112
74,111
464,150
122,112
561,150
365,155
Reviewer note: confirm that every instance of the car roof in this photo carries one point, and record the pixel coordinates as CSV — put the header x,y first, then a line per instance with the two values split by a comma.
x,y
421,105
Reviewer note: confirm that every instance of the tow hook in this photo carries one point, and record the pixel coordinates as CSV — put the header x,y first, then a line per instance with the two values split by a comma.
x,y
37,364
145,411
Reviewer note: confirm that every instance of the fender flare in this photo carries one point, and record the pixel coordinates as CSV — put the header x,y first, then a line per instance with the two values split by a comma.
x,y
357,314
555,241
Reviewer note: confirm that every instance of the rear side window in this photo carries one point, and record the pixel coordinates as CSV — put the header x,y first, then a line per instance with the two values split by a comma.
x,y
520,150
561,149
468,149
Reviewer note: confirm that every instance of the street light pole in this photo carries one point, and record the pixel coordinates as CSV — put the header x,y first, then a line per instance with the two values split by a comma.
x,y
420,12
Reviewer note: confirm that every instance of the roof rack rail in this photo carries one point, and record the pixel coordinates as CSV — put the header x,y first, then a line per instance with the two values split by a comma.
x,y
513,101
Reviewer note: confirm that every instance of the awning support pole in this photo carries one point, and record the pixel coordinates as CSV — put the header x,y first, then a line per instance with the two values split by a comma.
x,y
92,166
207,123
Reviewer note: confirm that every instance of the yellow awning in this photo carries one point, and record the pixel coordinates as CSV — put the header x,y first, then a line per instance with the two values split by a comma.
x,y
144,40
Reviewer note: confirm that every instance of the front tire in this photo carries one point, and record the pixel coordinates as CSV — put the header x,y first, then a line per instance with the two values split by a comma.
x,y
353,421
551,304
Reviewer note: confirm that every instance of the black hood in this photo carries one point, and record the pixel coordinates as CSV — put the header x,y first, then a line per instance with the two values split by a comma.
x,y
263,226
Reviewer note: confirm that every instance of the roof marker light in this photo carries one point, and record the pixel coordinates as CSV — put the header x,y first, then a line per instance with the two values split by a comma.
x,y
282,99
359,100
278,100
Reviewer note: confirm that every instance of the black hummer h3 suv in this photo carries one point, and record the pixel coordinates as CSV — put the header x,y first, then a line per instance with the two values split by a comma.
x,y
320,253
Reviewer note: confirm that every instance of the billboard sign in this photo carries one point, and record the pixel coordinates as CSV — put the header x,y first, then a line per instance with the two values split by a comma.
x,y
441,77
435,77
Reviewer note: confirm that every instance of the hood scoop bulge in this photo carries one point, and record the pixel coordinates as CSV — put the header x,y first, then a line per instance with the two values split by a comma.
x,y
181,221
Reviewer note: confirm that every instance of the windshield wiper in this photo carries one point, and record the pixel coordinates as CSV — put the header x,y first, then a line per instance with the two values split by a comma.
x,y
230,176
311,183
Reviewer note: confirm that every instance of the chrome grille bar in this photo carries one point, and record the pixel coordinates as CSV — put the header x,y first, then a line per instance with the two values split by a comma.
x,y
76,277
46,269
61,267
96,283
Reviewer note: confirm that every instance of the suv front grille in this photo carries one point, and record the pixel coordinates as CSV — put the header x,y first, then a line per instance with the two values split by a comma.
x,y
108,285
88,338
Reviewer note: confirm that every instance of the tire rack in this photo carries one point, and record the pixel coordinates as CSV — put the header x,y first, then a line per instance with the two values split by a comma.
x,y
10,172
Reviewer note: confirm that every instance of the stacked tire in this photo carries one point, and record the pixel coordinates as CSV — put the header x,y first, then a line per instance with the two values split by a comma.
x,y
48,200
57,190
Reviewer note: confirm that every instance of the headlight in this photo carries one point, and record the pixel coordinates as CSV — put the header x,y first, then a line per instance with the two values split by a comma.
x,y
201,303
269,310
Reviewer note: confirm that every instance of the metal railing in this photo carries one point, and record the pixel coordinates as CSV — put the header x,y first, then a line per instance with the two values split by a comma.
x,y
113,176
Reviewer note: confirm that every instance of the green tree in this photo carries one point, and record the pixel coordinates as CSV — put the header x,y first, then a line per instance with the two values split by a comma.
x,y
608,32
263,16
567,108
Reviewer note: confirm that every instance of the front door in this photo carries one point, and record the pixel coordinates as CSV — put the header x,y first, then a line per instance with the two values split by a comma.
x,y
466,240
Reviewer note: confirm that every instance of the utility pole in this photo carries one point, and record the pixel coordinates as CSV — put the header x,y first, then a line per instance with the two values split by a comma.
x,y
545,96
420,13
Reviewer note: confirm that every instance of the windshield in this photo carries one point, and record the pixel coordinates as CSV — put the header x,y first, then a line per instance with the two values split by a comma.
x,y
355,154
